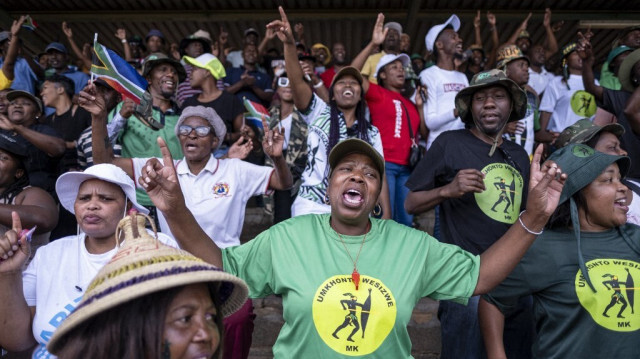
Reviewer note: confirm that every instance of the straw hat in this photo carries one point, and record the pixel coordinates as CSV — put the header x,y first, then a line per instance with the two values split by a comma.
x,y
142,266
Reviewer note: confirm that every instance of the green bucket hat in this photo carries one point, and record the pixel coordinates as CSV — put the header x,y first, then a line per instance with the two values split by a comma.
x,y
617,51
488,79
583,165
624,74
509,53
584,130
158,58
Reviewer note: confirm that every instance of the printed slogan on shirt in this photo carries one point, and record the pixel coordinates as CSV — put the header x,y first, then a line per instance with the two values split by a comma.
x,y
353,322
613,306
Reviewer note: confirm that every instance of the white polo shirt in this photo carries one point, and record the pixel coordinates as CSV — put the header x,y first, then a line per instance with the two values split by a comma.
x,y
218,195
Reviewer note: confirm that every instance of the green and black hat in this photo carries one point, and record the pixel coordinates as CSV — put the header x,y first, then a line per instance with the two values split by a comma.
x,y
584,130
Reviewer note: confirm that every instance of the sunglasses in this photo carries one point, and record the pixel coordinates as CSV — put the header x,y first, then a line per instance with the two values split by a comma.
x,y
283,82
201,131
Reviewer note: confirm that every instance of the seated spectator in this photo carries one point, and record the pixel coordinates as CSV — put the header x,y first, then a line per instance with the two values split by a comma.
x,y
247,81
155,42
23,71
35,300
175,311
251,37
44,147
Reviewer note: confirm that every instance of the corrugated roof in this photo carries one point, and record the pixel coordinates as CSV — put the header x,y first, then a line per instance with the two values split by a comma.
x,y
326,21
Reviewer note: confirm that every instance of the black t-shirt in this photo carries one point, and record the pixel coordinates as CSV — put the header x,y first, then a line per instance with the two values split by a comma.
x,y
475,220
615,101
41,168
226,105
69,126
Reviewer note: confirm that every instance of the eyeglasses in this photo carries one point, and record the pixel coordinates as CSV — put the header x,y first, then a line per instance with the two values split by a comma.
x,y
283,82
201,131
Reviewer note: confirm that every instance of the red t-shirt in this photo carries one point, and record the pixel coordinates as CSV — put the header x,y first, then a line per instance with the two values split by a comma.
x,y
390,117
328,75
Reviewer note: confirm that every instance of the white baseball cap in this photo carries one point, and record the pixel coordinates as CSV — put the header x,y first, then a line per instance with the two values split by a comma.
x,y
389,58
434,31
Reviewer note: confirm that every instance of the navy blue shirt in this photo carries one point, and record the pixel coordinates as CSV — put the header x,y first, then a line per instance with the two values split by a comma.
x,y
263,81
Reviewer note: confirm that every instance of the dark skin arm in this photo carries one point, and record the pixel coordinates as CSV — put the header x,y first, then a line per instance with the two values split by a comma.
x,y
544,135
491,322
632,110
12,52
51,145
585,51
76,50
35,208
523,26
466,180
552,43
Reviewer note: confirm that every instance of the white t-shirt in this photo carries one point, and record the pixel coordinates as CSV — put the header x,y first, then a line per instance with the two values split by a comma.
x,y
567,105
310,198
633,215
235,58
50,281
539,80
218,195
442,88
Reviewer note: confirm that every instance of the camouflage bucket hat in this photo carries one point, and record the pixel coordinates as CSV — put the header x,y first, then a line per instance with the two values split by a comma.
x,y
584,130
509,53
489,79
159,58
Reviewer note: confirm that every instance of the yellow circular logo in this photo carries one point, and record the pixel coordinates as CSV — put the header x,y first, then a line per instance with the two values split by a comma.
x,y
583,103
353,322
501,199
613,305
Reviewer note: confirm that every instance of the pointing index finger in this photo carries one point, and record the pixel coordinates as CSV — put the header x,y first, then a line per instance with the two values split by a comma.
x,y
167,159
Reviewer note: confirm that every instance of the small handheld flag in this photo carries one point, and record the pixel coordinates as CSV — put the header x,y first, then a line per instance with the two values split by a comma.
x,y
115,71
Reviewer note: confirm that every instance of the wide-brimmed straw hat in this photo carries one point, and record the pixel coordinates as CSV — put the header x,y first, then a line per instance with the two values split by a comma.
x,y
68,184
143,266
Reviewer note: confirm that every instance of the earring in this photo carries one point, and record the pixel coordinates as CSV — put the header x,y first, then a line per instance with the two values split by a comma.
x,y
377,210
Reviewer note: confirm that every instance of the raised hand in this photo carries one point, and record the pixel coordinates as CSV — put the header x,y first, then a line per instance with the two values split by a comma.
x,y
545,185
92,101
67,30
282,28
161,182
491,18
379,32
241,148
17,25
14,249
584,50
476,20
121,34
273,140
525,23
467,180
546,21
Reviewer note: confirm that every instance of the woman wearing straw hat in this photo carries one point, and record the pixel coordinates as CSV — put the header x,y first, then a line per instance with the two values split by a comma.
x,y
581,271
349,282
33,302
150,301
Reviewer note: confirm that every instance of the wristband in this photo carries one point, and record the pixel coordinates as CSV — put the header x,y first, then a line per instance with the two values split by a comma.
x,y
525,227
318,85
123,41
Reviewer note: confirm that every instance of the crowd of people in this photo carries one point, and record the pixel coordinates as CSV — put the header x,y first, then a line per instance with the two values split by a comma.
x,y
523,156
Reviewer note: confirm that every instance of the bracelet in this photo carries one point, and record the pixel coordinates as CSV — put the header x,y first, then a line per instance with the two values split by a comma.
x,y
123,41
525,227
318,85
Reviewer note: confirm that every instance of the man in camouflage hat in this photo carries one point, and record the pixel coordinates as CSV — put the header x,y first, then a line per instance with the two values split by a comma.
x,y
463,172
515,65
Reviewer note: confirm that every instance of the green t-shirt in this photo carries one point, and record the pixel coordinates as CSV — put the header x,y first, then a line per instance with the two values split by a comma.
x,y
608,79
570,317
304,261
140,141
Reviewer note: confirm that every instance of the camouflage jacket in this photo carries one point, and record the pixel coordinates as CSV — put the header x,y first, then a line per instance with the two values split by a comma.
x,y
296,153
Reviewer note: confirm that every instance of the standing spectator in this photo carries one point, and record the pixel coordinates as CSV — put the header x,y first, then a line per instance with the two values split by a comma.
x,y
247,81
294,148
206,71
629,37
391,45
251,37
565,101
22,71
44,147
442,81
68,119
58,62
138,134
193,46
516,66
339,60
481,180
155,42
323,57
